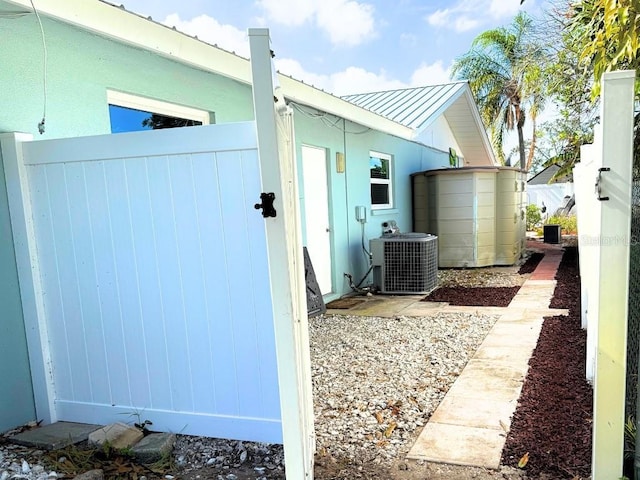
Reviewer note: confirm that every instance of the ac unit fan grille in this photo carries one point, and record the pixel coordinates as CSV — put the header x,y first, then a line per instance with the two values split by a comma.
x,y
410,266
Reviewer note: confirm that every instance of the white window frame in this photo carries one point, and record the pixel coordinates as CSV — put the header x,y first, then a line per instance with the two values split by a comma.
x,y
382,181
151,105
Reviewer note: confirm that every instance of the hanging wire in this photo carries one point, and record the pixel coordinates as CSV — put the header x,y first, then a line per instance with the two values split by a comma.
x,y
44,79
328,119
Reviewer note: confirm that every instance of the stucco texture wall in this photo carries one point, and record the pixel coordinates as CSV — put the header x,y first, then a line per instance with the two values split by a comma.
x,y
82,66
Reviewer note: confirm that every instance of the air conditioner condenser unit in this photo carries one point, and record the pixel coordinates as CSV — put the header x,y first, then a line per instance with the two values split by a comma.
x,y
405,263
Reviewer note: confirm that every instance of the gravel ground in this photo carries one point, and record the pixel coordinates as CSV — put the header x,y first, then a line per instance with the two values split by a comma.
x,y
398,371
377,380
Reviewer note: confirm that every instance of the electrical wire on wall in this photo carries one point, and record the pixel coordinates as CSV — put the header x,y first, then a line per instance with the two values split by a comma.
x,y
329,120
44,69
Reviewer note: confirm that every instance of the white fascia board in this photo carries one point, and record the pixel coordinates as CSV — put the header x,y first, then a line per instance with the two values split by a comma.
x,y
127,27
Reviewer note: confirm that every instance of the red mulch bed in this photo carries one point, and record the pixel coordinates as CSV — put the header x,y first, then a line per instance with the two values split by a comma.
x,y
553,418
473,296
532,262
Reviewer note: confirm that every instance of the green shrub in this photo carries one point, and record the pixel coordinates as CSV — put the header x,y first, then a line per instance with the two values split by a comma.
x,y
534,217
568,223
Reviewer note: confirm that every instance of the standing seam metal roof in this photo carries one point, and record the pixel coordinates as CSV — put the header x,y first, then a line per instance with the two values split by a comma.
x,y
412,107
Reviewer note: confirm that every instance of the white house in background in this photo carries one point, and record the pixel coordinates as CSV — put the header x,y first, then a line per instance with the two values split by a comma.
x,y
543,192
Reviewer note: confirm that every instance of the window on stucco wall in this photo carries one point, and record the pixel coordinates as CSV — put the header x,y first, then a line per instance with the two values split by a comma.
x,y
381,180
131,113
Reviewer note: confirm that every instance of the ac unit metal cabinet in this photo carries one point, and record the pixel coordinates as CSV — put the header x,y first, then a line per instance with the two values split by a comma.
x,y
405,263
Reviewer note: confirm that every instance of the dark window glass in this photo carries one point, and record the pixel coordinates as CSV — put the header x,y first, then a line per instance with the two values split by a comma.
x,y
379,194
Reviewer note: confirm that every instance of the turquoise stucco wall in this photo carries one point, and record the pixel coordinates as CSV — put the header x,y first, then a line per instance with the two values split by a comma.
x,y
16,401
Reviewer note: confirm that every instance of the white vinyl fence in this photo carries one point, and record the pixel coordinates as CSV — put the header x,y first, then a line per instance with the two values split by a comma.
x,y
153,278
603,195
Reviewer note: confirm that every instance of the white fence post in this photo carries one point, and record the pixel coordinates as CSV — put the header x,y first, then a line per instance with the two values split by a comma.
x,y
286,266
610,362
589,218
28,274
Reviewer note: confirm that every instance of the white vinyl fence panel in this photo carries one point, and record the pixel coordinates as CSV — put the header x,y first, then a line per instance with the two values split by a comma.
x,y
155,280
603,198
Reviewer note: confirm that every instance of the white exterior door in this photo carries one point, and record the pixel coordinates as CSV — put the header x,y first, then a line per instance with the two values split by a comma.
x,y
316,201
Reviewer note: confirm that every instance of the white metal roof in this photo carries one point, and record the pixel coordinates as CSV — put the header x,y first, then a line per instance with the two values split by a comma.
x,y
412,107
417,108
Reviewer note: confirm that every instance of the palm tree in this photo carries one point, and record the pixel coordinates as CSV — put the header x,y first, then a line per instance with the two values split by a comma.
x,y
502,69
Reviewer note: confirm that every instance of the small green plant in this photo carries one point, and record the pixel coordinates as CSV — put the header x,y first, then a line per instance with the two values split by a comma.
x,y
630,437
534,217
140,424
568,223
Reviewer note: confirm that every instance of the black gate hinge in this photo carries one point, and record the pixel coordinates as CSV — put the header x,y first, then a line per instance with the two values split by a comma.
x,y
267,204
599,183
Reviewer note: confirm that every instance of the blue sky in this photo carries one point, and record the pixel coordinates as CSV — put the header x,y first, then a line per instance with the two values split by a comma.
x,y
345,46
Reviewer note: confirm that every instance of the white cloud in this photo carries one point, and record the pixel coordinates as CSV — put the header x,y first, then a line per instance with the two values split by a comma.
x,y
503,8
348,81
345,22
408,40
466,15
439,18
358,80
464,24
293,68
289,12
433,74
211,31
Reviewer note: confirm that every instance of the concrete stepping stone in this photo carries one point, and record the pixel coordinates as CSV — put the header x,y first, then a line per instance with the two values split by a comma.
x,y
55,436
117,435
154,447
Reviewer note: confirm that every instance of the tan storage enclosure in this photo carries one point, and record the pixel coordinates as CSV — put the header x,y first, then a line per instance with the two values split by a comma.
x,y
476,212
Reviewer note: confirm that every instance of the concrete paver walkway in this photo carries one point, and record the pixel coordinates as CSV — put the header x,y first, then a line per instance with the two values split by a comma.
x,y
470,425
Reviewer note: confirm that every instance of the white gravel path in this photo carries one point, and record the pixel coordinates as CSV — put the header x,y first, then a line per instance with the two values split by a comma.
x,y
376,381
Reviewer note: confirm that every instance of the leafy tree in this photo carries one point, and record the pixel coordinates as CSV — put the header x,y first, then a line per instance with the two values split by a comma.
x,y
503,71
568,84
158,121
608,33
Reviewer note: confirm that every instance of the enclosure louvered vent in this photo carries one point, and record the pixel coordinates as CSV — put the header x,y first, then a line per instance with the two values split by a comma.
x,y
405,263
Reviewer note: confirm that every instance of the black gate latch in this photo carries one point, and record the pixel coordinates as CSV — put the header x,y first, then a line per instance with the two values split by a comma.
x,y
599,184
266,205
